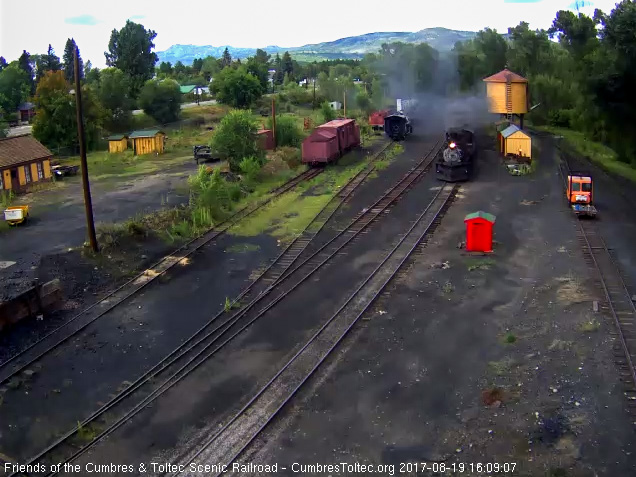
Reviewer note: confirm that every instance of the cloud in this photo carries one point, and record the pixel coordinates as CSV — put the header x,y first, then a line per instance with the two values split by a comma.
x,y
82,20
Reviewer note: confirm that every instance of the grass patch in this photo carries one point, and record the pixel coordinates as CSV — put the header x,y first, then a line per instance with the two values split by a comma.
x,y
86,433
598,153
480,264
242,248
502,366
590,326
229,305
448,287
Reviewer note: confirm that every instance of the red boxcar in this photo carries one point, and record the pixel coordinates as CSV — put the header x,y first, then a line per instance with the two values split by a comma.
x,y
266,139
330,141
376,120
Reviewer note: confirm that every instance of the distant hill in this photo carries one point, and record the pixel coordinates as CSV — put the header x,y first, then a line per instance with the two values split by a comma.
x,y
441,39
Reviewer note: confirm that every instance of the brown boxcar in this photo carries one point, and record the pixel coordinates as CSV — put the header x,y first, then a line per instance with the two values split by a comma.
x,y
340,135
266,139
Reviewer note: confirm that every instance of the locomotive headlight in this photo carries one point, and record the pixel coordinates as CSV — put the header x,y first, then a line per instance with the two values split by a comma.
x,y
452,145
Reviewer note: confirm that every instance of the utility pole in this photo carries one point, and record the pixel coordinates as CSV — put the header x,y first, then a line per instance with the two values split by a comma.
x,y
313,105
88,204
274,121
345,103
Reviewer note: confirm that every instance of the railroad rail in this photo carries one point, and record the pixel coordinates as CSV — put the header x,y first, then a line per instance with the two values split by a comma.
x,y
19,362
618,301
194,352
227,444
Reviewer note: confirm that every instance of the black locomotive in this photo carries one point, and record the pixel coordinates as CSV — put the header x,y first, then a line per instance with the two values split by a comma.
x,y
458,159
397,126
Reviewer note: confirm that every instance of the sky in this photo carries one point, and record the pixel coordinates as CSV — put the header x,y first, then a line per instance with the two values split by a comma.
x,y
33,24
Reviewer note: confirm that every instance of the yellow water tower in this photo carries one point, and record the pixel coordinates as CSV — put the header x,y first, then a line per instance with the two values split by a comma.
x,y
508,94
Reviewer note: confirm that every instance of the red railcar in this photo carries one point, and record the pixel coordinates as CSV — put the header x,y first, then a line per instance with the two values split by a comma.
x,y
330,141
376,119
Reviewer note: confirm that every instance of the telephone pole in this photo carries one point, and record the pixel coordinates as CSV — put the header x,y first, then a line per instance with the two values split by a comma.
x,y
88,204
274,121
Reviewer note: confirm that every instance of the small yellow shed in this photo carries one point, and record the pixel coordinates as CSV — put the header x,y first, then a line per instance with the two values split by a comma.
x,y
514,141
507,93
117,143
147,142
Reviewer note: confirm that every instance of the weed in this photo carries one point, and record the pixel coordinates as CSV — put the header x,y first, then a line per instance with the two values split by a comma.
x,y
242,248
228,304
509,338
6,199
501,367
448,287
86,434
590,326
480,264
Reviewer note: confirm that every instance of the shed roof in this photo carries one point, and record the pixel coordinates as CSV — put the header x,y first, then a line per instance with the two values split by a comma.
x,y
502,77
116,137
509,130
148,133
263,131
187,88
19,149
481,215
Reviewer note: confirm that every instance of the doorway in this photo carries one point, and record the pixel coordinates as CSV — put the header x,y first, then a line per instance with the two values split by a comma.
x,y
15,182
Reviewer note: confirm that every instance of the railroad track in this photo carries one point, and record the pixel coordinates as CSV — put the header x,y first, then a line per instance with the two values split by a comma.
x,y
52,340
226,445
224,327
617,303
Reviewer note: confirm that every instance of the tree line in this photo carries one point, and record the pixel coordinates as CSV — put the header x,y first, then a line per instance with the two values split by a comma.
x,y
583,80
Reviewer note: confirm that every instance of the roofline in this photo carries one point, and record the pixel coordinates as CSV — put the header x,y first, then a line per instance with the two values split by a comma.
x,y
22,163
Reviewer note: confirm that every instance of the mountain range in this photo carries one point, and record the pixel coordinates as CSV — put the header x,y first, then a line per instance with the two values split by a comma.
x,y
441,39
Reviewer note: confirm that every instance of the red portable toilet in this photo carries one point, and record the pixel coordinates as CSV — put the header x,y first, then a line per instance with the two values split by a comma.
x,y
479,231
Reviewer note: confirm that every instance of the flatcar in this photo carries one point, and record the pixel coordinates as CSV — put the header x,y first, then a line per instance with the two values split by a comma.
x,y
457,162
397,126
330,141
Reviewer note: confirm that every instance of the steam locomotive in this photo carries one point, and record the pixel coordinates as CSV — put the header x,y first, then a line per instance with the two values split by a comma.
x,y
397,126
457,161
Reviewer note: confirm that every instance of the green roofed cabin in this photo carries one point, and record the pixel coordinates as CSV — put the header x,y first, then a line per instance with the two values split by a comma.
x,y
117,143
147,142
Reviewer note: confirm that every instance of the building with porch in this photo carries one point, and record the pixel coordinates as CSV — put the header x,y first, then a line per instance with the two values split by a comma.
x,y
23,160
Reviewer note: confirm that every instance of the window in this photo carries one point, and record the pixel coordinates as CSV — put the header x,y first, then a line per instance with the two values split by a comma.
x,y
40,171
586,187
27,174
576,186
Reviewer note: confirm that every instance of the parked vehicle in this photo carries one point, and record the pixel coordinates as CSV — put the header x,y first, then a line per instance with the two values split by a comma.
x,y
16,214
580,193
204,154
397,126
63,171
330,141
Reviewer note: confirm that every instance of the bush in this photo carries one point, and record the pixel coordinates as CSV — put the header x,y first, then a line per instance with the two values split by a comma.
x,y
298,95
288,132
211,197
289,155
161,100
327,113
235,138
364,102
250,168
236,87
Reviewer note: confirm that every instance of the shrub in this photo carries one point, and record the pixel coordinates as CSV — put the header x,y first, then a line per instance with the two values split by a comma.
x,y
235,138
289,155
327,113
211,197
161,100
288,132
298,95
250,168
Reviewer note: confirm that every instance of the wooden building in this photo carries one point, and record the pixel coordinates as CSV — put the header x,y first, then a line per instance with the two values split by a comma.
x,y
147,142
117,143
516,142
507,94
23,160
26,112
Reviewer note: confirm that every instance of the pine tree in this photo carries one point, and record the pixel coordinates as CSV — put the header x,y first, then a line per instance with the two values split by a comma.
x,y
227,58
280,74
3,63
69,61
24,63
51,60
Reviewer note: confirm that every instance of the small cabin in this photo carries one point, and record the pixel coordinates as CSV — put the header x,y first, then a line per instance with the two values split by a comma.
x,y
23,161
148,142
117,143
26,112
515,142
507,93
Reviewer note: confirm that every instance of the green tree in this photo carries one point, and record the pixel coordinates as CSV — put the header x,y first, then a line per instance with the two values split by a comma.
x,y
288,131
179,68
165,68
3,63
258,66
235,138
328,114
364,102
288,66
113,95
236,87
209,68
14,88
226,59
197,64
69,61
130,50
161,100
55,123
280,73
25,64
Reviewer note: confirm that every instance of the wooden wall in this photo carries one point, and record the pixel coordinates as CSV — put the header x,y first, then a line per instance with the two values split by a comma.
x,y
518,141
118,146
497,97
149,145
